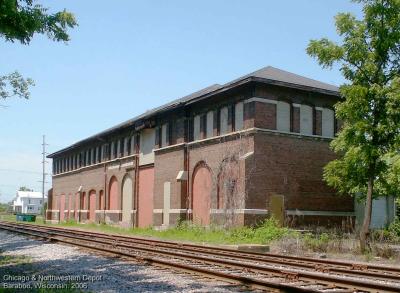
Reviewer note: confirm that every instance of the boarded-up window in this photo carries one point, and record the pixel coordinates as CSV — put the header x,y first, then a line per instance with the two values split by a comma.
x,y
147,139
223,121
196,127
283,116
164,135
239,116
328,124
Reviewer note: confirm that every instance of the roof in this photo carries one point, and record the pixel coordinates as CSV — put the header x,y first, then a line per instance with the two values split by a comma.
x,y
279,75
269,74
30,194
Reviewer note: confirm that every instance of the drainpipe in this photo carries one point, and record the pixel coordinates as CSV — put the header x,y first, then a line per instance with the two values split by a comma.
x,y
105,193
80,200
136,194
186,167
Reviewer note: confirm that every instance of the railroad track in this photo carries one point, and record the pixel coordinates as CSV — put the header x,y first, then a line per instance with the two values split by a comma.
x,y
267,271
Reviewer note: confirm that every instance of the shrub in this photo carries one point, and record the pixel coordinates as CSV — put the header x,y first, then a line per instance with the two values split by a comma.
x,y
394,227
318,243
269,231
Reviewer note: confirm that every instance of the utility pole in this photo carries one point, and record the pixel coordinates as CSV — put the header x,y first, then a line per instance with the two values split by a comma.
x,y
43,173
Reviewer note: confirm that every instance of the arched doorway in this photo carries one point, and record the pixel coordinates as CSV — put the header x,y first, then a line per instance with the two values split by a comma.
x,y
61,205
202,186
92,205
113,194
127,198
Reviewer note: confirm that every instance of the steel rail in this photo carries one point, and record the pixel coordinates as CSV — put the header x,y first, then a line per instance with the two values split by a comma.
x,y
262,284
357,269
304,275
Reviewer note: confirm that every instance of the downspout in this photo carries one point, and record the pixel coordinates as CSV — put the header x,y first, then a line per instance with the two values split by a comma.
x,y
136,198
186,168
105,193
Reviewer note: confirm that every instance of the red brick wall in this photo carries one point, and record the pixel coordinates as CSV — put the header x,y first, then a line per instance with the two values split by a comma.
x,y
318,122
293,167
167,164
265,115
295,119
92,178
213,153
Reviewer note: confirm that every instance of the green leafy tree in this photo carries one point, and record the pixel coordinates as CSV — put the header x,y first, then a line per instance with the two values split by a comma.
x,y
368,144
20,20
24,188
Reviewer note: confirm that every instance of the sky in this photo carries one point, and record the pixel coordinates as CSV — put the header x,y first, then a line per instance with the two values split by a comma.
x,y
129,56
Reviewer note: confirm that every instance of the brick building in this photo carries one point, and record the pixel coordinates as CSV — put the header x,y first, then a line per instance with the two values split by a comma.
x,y
230,154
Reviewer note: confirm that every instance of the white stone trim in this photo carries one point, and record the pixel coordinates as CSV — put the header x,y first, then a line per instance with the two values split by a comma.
x,y
52,221
221,136
170,146
318,213
53,211
296,105
113,211
127,164
246,155
240,211
113,167
261,100
319,108
292,133
171,211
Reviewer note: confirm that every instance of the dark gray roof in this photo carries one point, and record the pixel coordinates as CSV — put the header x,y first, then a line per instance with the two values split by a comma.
x,y
267,74
275,74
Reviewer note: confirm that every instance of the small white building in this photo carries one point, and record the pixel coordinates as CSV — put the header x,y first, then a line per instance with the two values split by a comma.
x,y
28,202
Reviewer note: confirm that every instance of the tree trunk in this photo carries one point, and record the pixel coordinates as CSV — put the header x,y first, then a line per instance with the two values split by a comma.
x,y
364,232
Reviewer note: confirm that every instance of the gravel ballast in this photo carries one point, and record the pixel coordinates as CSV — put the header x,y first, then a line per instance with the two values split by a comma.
x,y
26,263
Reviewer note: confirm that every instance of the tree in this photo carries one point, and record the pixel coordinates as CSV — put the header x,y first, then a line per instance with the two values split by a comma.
x,y
20,20
24,188
368,143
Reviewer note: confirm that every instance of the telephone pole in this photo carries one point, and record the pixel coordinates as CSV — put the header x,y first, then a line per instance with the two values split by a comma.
x,y
43,172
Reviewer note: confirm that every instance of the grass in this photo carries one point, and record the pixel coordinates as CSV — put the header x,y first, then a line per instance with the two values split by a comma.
x,y
14,259
185,231
286,240
12,218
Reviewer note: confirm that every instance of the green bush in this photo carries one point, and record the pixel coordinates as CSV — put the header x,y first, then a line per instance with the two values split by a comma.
x,y
394,227
318,243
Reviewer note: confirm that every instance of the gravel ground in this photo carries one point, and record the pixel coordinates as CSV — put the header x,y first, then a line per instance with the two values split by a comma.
x,y
87,271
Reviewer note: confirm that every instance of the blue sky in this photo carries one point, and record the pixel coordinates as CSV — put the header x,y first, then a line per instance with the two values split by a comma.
x,y
126,57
